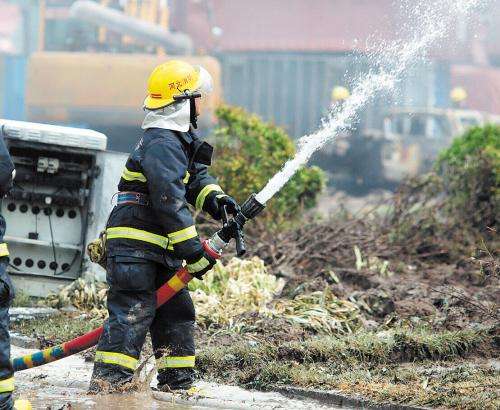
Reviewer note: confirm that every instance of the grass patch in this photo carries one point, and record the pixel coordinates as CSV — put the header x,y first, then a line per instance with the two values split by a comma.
x,y
435,384
55,329
464,386
436,345
231,290
242,294
362,347
22,299
390,366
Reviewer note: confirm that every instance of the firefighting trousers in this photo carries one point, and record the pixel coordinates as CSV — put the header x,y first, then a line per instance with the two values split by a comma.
x,y
6,372
132,312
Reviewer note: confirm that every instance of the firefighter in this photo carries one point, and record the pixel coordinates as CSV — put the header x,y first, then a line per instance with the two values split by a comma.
x,y
151,231
7,174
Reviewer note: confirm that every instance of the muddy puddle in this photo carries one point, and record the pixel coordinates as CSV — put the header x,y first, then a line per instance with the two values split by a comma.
x,y
63,385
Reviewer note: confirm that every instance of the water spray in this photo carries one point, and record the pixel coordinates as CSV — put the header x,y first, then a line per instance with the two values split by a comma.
x,y
399,56
431,21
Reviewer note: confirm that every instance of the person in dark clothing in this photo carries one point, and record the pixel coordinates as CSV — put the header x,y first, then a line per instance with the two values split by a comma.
x,y
7,174
151,231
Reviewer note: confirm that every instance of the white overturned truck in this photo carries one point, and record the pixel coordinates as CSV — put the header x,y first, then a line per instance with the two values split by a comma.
x,y
65,180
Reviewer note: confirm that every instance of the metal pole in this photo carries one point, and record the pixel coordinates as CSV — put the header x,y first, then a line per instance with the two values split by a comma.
x,y
143,32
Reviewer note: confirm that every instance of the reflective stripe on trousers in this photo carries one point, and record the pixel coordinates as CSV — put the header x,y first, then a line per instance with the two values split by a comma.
x,y
7,385
4,251
175,362
118,359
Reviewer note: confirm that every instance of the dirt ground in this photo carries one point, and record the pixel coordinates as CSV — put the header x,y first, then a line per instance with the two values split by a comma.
x,y
428,294
415,320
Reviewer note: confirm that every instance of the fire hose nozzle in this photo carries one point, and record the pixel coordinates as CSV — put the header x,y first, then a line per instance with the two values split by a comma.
x,y
233,229
215,245
251,207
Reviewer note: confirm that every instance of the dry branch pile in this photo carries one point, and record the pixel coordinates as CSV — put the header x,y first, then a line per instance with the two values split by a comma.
x,y
84,294
413,228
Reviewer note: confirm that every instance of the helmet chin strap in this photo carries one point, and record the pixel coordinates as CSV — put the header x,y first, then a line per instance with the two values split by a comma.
x,y
192,115
192,107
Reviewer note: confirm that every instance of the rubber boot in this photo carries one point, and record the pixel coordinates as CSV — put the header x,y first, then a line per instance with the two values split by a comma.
x,y
131,308
6,402
172,335
6,371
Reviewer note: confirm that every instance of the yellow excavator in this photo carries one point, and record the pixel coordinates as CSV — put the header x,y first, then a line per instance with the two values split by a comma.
x,y
92,61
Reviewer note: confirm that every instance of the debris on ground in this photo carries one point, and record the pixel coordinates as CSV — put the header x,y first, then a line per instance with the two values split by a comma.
x,y
399,304
231,290
86,294
31,313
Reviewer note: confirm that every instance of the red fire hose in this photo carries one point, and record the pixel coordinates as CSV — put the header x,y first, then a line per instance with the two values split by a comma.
x,y
81,343
213,246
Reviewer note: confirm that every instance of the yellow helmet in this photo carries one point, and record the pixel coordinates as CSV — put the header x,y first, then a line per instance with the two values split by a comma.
x,y
458,94
174,80
340,93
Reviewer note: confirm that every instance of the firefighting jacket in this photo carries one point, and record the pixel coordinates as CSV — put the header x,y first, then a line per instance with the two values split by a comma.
x,y
165,167
6,169
6,288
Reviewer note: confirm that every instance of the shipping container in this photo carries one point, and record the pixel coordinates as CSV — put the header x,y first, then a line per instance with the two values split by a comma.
x,y
294,89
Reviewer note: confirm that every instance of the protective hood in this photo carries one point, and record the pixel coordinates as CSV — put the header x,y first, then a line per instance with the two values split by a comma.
x,y
178,116
174,117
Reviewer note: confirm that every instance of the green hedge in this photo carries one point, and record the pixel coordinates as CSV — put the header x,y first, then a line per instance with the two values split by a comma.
x,y
249,152
471,173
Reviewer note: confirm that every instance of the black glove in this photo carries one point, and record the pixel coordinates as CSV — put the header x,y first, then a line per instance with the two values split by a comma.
x,y
216,201
200,264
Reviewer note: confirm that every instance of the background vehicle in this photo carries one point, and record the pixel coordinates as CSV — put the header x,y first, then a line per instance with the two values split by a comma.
x,y
407,145
413,138
85,64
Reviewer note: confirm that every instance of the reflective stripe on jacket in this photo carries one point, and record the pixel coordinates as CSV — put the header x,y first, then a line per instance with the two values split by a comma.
x,y
160,166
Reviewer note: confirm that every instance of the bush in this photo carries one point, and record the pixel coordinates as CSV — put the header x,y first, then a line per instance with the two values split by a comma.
x,y
249,152
444,214
470,169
